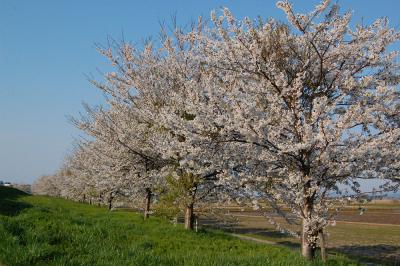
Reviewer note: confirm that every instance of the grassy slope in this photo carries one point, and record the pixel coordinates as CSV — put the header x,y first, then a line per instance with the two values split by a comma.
x,y
49,231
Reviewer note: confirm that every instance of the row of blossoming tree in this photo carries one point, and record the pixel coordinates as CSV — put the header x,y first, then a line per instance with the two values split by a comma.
x,y
286,116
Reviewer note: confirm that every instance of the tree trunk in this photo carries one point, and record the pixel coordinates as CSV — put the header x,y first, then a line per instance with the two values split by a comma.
x,y
307,246
322,245
147,203
110,200
100,199
307,250
189,217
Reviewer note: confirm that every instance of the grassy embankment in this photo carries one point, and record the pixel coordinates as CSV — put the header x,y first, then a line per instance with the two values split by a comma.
x,y
38,230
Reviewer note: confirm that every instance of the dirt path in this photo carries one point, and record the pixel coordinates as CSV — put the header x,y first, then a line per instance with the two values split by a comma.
x,y
249,238
366,223
337,221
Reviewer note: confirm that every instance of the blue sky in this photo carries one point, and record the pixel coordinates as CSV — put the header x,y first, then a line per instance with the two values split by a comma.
x,y
47,46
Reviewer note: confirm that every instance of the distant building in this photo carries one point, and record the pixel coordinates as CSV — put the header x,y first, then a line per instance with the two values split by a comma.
x,y
7,184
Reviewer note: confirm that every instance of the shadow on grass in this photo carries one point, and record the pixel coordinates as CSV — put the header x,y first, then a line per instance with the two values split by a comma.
x,y
262,232
10,203
382,254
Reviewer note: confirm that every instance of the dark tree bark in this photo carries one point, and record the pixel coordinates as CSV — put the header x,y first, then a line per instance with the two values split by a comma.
x,y
110,200
147,203
322,245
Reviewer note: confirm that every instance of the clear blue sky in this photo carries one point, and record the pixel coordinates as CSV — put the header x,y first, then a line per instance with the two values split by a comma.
x,y
46,47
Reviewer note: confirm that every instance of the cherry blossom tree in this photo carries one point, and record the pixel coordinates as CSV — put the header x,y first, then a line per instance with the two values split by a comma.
x,y
96,172
47,185
124,145
307,107
154,84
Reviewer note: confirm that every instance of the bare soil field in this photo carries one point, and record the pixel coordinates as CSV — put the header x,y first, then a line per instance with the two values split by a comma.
x,y
373,235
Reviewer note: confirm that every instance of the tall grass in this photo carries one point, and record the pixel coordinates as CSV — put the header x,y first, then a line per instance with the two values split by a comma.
x,y
38,230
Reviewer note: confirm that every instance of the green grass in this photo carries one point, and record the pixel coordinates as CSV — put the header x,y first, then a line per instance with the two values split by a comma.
x,y
37,230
